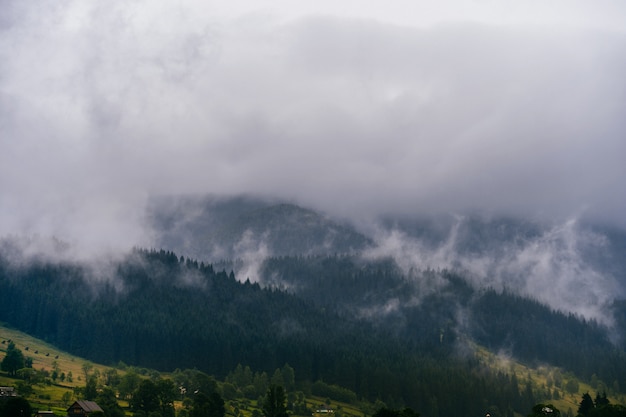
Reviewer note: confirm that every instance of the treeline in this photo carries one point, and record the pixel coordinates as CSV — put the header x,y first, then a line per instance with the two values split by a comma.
x,y
156,310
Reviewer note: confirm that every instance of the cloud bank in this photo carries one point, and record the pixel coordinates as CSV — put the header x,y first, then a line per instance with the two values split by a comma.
x,y
552,266
453,106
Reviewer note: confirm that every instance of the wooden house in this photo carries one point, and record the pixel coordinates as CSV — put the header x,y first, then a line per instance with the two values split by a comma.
x,y
82,408
7,392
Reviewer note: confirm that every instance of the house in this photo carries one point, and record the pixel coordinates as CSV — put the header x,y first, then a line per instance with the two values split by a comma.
x,y
323,410
7,392
82,408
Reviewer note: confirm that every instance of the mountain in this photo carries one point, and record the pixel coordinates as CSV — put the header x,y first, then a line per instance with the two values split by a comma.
x,y
214,228
501,251
394,315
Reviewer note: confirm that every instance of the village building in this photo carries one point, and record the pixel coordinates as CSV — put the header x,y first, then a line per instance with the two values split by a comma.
x,y
323,410
7,392
83,408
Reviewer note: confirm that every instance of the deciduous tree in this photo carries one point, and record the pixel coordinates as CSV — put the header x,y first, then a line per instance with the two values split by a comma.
x,y
207,405
13,360
146,398
15,406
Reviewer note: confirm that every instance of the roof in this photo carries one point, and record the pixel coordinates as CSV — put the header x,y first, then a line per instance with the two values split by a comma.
x,y
88,406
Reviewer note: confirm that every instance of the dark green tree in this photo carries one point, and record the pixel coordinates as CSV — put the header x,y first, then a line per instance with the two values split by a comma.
x,y
601,400
13,360
216,406
91,388
586,405
200,405
167,394
202,382
128,384
389,412
15,407
229,391
111,378
146,398
108,402
261,383
211,405
386,412
274,404
289,377
409,412
277,379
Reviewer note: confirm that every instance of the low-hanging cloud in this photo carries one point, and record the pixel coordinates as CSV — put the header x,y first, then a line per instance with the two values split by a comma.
x,y
551,266
102,106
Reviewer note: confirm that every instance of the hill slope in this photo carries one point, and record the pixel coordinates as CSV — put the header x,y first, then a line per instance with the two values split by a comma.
x,y
211,228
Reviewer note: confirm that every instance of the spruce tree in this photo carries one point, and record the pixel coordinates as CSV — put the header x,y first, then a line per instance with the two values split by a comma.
x,y
586,405
274,404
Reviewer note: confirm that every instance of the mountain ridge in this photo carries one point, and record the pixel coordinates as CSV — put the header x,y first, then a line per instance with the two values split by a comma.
x,y
535,258
217,228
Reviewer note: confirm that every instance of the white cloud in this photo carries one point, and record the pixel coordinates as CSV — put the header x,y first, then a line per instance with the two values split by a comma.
x,y
551,266
423,106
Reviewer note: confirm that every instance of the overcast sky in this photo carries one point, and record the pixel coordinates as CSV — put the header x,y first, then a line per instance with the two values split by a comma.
x,y
348,106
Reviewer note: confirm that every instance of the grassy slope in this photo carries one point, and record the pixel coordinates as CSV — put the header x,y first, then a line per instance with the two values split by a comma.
x,y
46,396
539,377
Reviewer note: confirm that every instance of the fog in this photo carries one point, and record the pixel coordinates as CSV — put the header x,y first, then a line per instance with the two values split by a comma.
x,y
552,264
411,108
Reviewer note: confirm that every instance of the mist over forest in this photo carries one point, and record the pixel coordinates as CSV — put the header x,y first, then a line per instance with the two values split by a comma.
x,y
575,266
413,182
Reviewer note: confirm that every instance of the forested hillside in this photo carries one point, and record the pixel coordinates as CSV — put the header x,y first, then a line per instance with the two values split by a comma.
x,y
430,307
159,310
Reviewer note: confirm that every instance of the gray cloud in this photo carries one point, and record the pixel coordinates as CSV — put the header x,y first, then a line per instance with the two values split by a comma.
x,y
355,113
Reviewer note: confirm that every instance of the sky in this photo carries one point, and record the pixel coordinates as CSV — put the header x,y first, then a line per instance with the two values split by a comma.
x,y
354,108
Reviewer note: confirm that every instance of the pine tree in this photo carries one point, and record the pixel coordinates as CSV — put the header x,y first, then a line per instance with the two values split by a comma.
x,y
601,400
274,404
586,405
